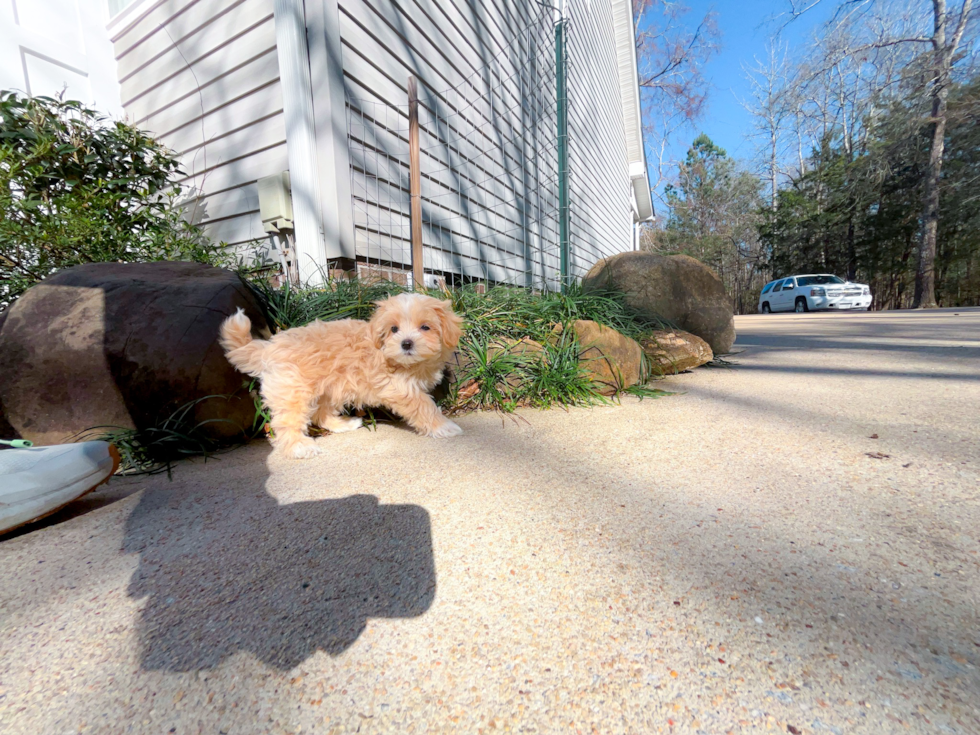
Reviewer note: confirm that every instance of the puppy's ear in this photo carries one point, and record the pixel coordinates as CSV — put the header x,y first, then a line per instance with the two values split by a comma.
x,y
379,324
450,324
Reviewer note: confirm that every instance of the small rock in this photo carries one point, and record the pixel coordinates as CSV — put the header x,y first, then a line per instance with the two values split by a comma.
x,y
612,360
672,352
818,725
523,346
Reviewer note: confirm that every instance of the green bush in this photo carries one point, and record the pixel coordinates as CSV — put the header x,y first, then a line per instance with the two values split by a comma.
x,y
76,187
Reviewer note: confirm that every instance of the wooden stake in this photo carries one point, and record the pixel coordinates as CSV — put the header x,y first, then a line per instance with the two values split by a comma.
x,y
415,182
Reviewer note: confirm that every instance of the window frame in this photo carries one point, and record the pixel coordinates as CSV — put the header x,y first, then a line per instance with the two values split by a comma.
x,y
122,11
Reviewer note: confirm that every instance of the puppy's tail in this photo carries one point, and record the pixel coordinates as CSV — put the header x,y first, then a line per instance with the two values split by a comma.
x,y
241,350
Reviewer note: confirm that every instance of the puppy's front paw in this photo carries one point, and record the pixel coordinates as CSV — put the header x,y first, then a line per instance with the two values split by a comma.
x,y
305,450
347,423
445,430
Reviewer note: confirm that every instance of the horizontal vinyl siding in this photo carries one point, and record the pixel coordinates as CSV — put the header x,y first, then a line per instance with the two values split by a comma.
x,y
447,45
599,184
202,76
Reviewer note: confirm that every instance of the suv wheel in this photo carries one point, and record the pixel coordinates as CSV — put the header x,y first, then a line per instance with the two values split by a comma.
x,y
766,309
801,305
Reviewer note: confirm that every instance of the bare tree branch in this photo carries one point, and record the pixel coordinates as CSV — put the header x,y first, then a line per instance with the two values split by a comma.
x,y
671,54
881,25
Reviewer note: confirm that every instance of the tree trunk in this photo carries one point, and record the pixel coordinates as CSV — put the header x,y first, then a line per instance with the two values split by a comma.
x,y
773,164
925,276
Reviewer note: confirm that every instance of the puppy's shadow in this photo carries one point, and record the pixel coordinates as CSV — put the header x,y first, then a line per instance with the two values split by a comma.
x,y
226,569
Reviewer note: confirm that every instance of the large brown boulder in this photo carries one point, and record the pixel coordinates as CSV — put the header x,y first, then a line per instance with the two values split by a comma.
x,y
676,288
672,351
612,360
126,345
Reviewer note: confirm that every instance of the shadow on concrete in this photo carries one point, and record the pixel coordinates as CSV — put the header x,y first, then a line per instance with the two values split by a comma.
x,y
858,373
772,567
226,570
797,342
788,418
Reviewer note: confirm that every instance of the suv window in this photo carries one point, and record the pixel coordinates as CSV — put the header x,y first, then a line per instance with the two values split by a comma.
x,y
768,287
778,287
788,284
819,280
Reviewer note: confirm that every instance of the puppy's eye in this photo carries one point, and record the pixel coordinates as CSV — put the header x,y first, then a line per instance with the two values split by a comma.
x,y
394,330
424,327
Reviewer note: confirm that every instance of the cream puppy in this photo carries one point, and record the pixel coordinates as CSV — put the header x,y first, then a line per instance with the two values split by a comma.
x,y
312,373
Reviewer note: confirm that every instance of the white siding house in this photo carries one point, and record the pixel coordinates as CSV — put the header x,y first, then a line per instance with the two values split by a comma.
x,y
247,89
203,77
48,47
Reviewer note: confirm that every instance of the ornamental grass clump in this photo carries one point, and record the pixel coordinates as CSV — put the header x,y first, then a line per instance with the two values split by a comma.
x,y
495,367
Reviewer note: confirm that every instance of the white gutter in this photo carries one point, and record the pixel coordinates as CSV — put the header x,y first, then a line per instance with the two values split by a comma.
x,y
629,87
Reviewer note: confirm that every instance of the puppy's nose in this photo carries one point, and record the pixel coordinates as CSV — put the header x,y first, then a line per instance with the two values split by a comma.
x,y
407,344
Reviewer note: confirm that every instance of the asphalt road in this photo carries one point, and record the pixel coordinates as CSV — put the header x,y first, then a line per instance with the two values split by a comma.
x,y
790,544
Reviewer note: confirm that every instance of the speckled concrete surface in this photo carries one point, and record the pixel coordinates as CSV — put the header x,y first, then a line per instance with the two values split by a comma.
x,y
736,558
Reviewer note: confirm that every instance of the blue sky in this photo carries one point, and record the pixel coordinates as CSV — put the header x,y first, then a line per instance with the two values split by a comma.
x,y
745,32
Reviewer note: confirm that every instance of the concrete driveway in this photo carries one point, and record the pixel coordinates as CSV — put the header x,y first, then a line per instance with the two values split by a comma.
x,y
788,545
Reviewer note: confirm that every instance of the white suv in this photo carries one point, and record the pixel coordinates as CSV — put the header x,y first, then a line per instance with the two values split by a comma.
x,y
813,292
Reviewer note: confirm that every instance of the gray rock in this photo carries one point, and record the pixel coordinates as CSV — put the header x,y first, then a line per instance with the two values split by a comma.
x,y
677,288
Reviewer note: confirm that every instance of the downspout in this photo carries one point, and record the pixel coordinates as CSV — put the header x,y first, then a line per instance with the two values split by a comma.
x,y
330,119
562,102
297,100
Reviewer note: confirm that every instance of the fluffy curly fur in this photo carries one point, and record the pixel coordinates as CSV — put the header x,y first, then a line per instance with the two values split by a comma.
x,y
312,373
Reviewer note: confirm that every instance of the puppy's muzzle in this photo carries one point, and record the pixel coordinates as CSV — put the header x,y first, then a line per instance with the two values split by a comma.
x,y
407,345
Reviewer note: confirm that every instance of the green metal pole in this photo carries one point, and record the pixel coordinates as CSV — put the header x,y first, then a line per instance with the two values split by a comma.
x,y
562,152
